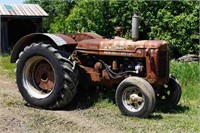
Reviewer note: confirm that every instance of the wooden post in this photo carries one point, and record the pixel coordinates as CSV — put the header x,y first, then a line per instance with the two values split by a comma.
x,y
4,36
0,36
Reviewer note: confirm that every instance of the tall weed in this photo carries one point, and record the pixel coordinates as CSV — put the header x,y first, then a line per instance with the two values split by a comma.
x,y
188,74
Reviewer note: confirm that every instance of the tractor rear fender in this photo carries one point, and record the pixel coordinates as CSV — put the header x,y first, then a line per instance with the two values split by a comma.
x,y
54,39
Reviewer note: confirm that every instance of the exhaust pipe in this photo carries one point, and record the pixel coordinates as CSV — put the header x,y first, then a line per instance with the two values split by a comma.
x,y
135,27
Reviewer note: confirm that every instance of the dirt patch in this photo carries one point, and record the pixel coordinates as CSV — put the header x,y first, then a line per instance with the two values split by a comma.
x,y
16,117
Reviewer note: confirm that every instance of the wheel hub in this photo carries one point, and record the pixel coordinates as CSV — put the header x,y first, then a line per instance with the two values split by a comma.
x,y
134,99
44,76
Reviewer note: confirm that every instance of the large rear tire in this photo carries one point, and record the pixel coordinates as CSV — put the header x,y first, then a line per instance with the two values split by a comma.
x,y
135,97
45,78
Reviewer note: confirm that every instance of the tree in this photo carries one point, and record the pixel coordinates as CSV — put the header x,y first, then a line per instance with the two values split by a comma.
x,y
87,15
57,10
173,21
177,22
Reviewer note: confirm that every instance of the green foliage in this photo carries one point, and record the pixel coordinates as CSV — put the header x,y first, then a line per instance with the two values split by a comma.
x,y
173,21
58,10
87,15
177,22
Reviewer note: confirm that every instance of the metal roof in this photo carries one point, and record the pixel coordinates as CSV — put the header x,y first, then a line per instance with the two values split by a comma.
x,y
22,10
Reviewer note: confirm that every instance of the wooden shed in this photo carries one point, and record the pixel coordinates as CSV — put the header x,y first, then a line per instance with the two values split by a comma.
x,y
18,20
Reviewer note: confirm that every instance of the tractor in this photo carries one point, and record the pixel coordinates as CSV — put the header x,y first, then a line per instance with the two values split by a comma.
x,y
50,68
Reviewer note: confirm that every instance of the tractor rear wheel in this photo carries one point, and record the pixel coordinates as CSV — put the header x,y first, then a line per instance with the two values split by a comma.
x,y
45,78
135,97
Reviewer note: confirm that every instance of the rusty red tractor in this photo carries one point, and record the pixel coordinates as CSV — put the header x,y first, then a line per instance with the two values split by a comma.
x,y
50,67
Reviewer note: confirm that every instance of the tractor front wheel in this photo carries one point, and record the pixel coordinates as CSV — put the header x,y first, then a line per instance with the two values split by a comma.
x,y
169,94
135,97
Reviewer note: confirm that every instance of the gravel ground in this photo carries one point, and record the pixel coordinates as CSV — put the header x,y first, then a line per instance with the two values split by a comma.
x,y
16,117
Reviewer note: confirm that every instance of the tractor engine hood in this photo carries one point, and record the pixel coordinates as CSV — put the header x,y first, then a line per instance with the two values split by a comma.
x,y
120,47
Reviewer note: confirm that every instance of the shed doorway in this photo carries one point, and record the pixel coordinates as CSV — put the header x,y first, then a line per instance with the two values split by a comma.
x,y
18,28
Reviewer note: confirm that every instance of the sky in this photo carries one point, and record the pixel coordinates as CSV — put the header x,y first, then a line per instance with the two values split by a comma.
x,y
11,1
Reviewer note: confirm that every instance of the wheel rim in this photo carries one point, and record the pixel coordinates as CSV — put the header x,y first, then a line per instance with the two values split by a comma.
x,y
132,99
38,77
166,92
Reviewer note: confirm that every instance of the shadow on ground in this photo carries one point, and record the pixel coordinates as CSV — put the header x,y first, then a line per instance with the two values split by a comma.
x,y
163,109
174,110
85,99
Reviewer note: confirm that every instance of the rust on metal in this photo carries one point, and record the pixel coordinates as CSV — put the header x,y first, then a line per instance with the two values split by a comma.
x,y
94,76
67,39
98,66
91,47
155,53
85,36
44,76
111,47
116,47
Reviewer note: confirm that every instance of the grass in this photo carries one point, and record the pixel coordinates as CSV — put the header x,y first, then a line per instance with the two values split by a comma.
x,y
189,76
6,67
184,118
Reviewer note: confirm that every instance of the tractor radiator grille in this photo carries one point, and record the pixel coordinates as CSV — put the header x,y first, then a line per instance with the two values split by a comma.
x,y
163,64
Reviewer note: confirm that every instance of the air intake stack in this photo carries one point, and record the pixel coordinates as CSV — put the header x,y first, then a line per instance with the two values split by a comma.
x,y
135,27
